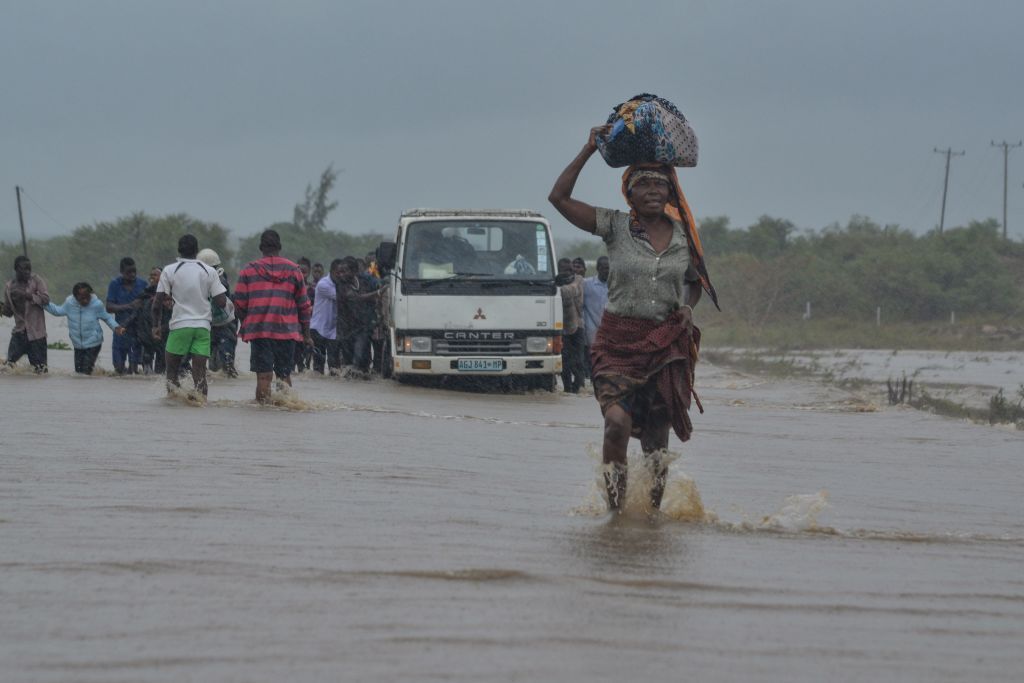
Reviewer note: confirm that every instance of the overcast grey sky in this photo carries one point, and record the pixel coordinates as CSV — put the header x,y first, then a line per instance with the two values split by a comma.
x,y
807,110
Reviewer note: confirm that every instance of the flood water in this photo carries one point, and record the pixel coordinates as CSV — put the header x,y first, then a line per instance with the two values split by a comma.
x,y
370,531
970,377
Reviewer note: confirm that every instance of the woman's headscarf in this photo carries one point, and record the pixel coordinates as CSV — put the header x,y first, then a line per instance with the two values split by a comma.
x,y
679,210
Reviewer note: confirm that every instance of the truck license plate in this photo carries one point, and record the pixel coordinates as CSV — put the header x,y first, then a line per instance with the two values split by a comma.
x,y
481,365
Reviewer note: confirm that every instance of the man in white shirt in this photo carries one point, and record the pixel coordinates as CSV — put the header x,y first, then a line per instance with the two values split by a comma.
x,y
323,325
195,288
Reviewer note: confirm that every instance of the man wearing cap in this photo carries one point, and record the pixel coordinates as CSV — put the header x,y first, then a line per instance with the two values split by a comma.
x,y
224,329
193,286
271,302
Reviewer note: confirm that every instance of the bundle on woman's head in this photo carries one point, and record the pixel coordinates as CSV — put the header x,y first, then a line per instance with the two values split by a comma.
x,y
648,129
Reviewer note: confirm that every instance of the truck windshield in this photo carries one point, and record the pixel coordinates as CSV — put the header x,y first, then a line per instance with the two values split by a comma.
x,y
471,249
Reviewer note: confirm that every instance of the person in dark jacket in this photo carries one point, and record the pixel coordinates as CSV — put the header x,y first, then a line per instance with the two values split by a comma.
x,y
357,313
153,347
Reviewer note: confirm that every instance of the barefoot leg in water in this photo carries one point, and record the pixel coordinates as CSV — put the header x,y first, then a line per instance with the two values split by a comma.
x,y
172,362
653,442
263,380
618,424
199,374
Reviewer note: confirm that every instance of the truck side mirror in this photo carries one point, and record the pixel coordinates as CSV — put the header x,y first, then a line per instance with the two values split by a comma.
x,y
386,252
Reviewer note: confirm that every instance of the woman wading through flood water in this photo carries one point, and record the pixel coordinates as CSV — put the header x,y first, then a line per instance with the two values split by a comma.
x,y
646,346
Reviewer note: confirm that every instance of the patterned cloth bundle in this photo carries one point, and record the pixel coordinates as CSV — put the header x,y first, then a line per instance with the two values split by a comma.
x,y
648,129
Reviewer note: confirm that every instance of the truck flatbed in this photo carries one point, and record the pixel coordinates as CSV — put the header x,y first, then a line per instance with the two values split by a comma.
x,y
463,213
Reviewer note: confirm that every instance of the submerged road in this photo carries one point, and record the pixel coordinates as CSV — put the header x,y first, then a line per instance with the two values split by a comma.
x,y
369,531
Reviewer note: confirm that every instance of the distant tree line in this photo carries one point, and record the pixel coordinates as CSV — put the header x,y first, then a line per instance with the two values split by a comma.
x,y
768,272
92,253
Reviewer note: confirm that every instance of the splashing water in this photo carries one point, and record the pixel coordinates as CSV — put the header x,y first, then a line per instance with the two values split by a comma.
x,y
284,397
20,369
188,397
681,500
798,513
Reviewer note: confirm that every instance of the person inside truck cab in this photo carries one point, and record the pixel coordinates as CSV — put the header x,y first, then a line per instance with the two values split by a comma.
x,y
440,248
458,249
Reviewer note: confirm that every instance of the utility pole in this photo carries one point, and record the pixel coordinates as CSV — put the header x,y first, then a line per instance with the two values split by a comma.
x,y
945,185
21,219
1006,167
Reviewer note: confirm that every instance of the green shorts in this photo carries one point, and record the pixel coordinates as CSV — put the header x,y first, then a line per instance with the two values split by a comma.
x,y
186,340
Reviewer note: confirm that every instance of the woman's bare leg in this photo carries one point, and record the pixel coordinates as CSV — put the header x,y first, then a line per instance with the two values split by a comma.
x,y
618,425
653,442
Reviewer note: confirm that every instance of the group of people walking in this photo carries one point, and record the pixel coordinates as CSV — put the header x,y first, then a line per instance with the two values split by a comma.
x,y
185,316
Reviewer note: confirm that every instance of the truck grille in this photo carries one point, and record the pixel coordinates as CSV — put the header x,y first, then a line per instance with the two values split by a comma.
x,y
478,347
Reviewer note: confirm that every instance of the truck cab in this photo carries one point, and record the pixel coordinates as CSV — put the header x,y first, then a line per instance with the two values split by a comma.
x,y
472,293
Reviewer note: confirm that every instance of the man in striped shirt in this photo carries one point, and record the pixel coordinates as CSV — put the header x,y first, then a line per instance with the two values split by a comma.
x,y
271,302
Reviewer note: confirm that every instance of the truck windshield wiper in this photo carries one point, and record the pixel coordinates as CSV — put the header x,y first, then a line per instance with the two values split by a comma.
x,y
510,281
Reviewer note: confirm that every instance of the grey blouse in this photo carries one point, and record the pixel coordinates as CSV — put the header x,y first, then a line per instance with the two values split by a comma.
x,y
643,283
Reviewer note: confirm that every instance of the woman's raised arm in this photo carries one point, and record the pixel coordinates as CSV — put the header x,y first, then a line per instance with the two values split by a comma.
x,y
580,214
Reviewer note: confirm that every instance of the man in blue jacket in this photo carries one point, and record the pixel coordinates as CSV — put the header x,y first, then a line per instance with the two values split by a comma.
x,y
84,311
124,301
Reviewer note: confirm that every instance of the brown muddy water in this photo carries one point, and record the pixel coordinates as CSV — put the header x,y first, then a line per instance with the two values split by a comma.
x,y
369,531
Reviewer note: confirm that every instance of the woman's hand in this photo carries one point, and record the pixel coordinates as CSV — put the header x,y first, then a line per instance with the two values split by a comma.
x,y
686,313
594,132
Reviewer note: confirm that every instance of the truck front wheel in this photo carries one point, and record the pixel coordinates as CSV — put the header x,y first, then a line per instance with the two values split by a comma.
x,y
547,383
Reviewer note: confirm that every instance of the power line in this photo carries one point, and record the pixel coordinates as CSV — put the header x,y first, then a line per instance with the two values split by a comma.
x,y
978,174
1006,168
44,211
945,185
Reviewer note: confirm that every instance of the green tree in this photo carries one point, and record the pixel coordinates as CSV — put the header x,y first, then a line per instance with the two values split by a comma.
x,y
715,235
307,234
311,214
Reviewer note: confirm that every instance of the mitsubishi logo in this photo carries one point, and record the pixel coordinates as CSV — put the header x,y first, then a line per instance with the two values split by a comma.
x,y
479,315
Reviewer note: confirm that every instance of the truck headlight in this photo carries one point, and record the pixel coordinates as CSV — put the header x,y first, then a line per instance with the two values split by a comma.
x,y
418,344
538,344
